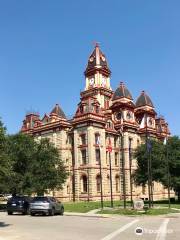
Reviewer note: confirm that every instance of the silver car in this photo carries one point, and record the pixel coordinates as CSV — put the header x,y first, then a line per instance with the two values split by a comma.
x,y
46,206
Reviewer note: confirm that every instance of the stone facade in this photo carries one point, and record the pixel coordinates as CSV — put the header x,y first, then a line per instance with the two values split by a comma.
x,y
106,128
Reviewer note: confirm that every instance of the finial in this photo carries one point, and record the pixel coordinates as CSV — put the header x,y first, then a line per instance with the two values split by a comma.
x,y
96,44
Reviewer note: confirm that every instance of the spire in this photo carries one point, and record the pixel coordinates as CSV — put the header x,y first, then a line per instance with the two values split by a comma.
x,y
97,61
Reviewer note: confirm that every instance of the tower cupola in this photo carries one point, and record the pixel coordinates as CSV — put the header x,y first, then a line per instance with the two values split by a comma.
x,y
97,72
97,62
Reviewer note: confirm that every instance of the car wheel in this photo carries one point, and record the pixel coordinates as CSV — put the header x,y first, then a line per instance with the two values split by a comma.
x,y
32,214
62,211
51,212
10,213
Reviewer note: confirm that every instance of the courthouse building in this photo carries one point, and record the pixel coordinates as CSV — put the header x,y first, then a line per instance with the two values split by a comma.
x,y
105,130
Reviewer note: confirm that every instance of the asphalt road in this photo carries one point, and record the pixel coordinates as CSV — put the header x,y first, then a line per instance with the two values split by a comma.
x,y
19,227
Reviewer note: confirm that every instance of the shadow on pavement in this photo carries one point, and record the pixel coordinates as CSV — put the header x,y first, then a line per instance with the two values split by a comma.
x,y
2,224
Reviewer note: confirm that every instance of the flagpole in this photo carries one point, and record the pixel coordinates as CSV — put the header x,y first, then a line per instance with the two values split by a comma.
x,y
168,173
149,185
123,168
100,169
130,170
110,169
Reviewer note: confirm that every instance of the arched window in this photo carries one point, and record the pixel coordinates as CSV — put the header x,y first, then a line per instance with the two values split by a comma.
x,y
98,183
84,184
117,183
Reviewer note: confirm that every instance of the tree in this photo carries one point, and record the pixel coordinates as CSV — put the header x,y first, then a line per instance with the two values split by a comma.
x,y
172,150
4,159
36,166
157,162
48,169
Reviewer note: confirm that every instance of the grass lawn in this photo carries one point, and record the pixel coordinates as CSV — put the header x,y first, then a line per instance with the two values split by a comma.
x,y
84,207
135,212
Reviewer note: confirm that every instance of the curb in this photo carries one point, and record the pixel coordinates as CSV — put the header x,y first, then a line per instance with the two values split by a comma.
x,y
87,215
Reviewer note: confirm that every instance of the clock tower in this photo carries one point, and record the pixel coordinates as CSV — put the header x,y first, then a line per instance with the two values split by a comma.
x,y
97,75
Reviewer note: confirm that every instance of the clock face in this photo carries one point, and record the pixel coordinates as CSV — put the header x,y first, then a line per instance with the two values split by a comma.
x,y
91,81
118,116
129,115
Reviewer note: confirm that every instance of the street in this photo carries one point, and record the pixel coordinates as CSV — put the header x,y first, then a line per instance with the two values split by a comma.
x,y
18,227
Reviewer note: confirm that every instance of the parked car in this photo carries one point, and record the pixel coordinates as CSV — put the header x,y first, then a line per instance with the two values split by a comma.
x,y
18,204
46,205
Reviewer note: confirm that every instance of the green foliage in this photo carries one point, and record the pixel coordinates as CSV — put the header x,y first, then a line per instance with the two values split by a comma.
x,y
173,155
163,157
157,160
48,170
29,166
4,159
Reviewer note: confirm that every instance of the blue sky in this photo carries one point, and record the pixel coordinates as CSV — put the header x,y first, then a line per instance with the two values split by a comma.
x,y
45,44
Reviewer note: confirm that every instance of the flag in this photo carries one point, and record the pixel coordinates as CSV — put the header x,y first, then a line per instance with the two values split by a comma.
x,y
142,125
165,141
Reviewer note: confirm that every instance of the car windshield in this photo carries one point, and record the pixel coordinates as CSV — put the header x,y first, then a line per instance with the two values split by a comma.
x,y
40,199
16,198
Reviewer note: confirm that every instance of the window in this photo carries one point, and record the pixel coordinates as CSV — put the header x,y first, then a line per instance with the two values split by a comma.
x,y
84,184
83,139
98,183
106,102
97,138
117,183
144,190
121,178
68,189
98,155
83,156
116,158
116,142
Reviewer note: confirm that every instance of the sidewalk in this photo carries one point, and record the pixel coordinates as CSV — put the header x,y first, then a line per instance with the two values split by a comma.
x,y
92,213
